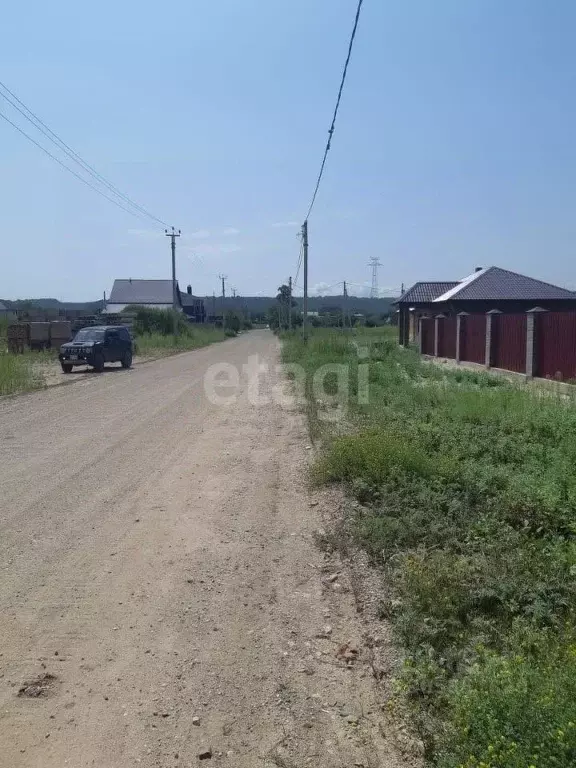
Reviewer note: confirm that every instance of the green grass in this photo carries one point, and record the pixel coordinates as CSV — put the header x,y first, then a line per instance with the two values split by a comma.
x,y
469,505
23,373
17,374
156,344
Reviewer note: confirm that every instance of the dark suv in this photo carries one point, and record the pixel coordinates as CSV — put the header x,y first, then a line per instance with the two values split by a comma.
x,y
96,346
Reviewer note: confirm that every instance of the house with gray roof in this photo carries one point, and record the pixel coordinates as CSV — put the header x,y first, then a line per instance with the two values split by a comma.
x,y
490,289
155,294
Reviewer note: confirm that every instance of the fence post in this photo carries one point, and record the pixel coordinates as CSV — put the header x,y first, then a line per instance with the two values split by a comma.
x,y
407,327
437,318
459,317
531,346
488,359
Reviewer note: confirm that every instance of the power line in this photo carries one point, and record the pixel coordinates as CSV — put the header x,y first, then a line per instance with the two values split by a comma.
x,y
333,125
299,261
61,144
81,178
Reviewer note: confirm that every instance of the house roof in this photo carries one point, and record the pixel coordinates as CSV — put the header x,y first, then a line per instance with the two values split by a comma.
x,y
425,292
188,300
142,292
496,284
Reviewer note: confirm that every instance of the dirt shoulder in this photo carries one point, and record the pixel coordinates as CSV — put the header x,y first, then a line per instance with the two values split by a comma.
x,y
50,371
161,566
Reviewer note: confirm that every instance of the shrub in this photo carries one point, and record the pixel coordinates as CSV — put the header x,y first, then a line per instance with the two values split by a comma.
x,y
161,321
514,710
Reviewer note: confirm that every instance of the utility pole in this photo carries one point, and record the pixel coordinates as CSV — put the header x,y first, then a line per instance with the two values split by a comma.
x,y
173,235
305,300
223,278
344,305
402,290
290,303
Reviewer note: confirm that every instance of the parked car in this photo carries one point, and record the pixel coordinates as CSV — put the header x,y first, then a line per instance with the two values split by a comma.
x,y
96,346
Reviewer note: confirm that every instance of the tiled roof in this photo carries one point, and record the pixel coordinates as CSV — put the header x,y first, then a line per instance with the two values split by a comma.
x,y
425,291
496,284
141,292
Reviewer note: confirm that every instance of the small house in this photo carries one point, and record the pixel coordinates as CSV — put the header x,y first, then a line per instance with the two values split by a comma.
x,y
155,294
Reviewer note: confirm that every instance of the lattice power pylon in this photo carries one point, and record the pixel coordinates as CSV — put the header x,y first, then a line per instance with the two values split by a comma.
x,y
374,263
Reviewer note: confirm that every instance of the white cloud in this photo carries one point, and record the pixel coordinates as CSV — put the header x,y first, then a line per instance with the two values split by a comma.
x,y
322,289
200,234
286,224
230,231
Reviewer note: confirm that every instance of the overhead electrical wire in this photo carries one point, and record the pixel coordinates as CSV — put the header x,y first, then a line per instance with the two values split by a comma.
x,y
74,156
70,170
333,125
299,262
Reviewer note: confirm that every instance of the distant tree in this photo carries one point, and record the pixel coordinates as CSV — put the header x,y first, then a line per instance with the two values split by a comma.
x,y
233,321
273,316
285,305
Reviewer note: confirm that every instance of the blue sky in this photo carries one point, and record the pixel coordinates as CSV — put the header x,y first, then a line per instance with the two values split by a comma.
x,y
455,145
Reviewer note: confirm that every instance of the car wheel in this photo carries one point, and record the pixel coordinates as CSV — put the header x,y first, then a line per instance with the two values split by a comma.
x,y
127,359
98,363
66,368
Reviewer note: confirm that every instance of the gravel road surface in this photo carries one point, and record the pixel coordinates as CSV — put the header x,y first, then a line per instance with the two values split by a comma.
x,y
162,599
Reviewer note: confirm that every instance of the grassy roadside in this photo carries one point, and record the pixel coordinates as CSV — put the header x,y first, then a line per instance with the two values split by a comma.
x,y
28,371
468,496
158,345
17,374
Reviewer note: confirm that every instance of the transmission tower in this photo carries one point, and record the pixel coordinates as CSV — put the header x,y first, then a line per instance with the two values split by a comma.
x,y
374,263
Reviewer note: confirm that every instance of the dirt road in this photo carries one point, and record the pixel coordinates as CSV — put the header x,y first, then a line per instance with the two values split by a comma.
x,y
157,565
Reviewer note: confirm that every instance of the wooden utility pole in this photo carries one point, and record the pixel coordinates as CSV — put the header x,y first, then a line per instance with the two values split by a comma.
x,y
290,303
305,300
175,303
223,278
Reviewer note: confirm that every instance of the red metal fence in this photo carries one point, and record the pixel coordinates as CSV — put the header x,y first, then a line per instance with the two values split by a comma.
x,y
427,336
509,342
554,355
447,336
473,338
555,339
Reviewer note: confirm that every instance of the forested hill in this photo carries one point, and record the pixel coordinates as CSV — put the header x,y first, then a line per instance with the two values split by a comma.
x,y
258,304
